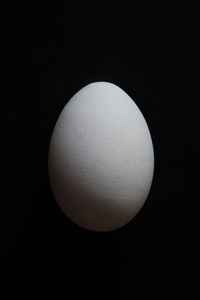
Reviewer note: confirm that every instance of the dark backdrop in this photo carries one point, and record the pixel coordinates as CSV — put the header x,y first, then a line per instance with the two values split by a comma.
x,y
48,54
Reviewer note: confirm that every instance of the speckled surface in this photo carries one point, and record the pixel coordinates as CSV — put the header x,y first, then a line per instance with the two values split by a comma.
x,y
101,158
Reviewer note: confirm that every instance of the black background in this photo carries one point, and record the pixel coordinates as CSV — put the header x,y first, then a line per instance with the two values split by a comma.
x,y
48,54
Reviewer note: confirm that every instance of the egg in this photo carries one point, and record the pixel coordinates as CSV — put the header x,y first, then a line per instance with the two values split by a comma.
x,y
101,158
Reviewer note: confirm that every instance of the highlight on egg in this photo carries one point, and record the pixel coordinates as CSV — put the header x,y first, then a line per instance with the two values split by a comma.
x,y
101,158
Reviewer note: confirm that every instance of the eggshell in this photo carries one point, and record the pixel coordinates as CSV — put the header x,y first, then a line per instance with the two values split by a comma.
x,y
101,158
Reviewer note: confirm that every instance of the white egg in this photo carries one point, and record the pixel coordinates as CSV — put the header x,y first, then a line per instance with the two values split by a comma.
x,y
101,158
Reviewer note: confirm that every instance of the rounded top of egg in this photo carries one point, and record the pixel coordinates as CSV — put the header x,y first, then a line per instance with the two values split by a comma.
x,y
101,158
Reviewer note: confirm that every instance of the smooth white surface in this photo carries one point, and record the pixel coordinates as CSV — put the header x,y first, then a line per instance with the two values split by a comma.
x,y
101,158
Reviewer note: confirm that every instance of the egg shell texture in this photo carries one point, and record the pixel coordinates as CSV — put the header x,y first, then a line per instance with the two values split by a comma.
x,y
101,158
